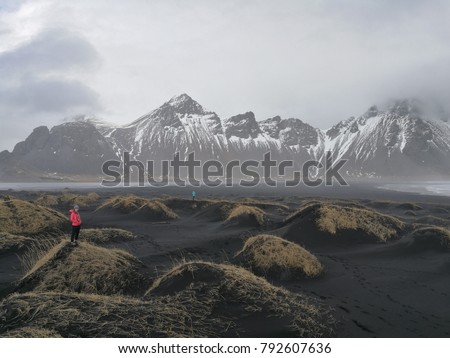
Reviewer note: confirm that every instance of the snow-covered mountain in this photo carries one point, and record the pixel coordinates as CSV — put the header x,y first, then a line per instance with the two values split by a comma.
x,y
401,140
405,139
73,149
182,125
303,140
179,125
98,123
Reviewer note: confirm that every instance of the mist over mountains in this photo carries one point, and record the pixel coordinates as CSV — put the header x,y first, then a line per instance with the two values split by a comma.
x,y
405,139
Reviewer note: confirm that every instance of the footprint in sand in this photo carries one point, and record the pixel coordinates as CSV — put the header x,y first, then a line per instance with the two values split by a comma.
x,y
344,309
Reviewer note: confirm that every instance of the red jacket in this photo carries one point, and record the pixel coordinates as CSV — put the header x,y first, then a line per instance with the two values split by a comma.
x,y
75,218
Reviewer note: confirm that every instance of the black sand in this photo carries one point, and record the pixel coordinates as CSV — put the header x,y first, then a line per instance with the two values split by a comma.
x,y
375,290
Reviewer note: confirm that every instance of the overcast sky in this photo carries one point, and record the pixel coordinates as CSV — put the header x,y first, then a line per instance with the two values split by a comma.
x,y
321,61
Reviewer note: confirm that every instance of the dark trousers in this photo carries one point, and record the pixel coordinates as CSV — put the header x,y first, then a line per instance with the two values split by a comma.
x,y
75,233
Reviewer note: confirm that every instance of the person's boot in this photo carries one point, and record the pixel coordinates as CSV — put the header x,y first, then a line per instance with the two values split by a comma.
x,y
72,243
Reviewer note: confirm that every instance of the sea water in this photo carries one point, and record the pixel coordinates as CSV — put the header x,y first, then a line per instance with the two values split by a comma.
x,y
441,188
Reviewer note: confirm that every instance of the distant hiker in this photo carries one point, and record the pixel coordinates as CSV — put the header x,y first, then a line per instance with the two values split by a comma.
x,y
76,224
193,196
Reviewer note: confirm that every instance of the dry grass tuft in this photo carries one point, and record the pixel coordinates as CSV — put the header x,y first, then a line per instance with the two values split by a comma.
x,y
232,213
47,200
435,238
277,258
86,269
146,208
37,251
25,218
85,315
31,332
244,214
196,299
240,303
346,222
68,199
106,235
14,243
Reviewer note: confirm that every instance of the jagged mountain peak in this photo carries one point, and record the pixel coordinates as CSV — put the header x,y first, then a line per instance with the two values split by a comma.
x,y
291,131
180,98
426,109
373,111
98,123
171,113
405,107
184,104
242,126
290,122
76,124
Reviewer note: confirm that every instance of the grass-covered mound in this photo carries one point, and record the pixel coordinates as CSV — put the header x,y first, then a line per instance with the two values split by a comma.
x,y
233,214
240,304
247,212
392,205
67,199
138,207
86,268
433,221
410,213
85,315
337,222
431,238
25,218
14,243
440,210
183,205
409,206
245,215
216,211
106,235
276,258
264,204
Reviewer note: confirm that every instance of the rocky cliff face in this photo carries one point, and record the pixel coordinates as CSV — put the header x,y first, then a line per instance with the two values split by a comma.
x,y
72,148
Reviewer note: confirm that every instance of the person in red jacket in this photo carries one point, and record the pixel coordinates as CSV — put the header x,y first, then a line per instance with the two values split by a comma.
x,y
76,225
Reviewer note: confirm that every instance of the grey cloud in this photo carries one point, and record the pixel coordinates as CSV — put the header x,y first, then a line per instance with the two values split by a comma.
x,y
319,60
52,50
49,95
39,82
322,61
10,5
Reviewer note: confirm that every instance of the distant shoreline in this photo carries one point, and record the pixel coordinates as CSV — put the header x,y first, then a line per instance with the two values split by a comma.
x,y
438,188
423,188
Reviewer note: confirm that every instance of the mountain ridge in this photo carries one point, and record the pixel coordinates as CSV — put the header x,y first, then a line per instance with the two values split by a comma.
x,y
402,139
